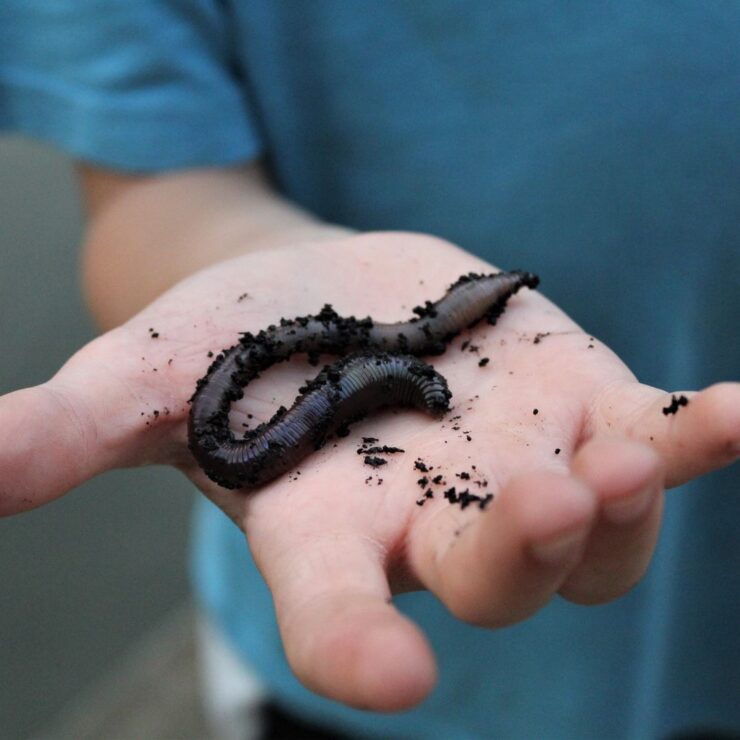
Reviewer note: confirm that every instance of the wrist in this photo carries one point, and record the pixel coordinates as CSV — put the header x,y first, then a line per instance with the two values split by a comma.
x,y
147,233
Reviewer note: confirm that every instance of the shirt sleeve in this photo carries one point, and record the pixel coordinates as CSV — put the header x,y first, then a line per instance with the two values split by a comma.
x,y
137,85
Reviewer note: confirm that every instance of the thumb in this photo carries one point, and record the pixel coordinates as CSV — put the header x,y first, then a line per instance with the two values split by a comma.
x,y
82,422
49,443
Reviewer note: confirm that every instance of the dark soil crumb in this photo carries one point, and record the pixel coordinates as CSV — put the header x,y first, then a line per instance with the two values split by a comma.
x,y
590,346
676,403
427,495
384,450
463,476
485,501
421,466
369,440
375,462
483,361
468,437
464,345
535,411
423,482
557,450
466,498
427,310
169,362
210,354
540,336
153,334
437,479
242,297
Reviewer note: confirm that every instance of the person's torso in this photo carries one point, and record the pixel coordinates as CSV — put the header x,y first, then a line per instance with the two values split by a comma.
x,y
597,144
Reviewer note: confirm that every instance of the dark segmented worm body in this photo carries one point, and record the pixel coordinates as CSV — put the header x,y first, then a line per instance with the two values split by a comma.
x,y
380,374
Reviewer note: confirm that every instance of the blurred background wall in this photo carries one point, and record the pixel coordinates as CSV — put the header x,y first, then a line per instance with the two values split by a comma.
x,y
85,578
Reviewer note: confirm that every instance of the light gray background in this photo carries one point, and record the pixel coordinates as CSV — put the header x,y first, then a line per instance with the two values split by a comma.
x,y
84,577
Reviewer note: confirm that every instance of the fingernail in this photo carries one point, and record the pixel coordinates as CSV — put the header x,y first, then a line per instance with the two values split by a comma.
x,y
559,550
628,509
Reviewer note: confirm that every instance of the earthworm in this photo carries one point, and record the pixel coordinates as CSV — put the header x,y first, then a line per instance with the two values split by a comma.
x,y
376,370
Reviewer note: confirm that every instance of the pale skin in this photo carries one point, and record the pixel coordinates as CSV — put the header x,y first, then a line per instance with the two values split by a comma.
x,y
174,253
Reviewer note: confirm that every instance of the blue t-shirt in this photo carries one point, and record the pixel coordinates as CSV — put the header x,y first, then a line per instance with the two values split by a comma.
x,y
595,143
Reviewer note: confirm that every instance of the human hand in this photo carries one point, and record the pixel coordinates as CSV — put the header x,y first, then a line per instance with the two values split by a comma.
x,y
333,547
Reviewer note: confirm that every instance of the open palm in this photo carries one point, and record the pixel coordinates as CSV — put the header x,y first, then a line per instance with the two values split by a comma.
x,y
575,452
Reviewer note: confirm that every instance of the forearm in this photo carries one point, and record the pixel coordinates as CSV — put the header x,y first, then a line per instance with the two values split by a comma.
x,y
146,233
